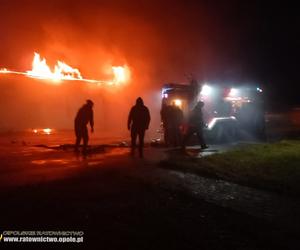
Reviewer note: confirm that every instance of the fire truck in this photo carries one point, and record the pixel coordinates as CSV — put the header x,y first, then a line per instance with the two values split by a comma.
x,y
230,112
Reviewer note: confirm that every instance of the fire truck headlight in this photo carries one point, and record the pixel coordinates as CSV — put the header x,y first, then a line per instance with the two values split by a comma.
x,y
233,92
178,102
206,90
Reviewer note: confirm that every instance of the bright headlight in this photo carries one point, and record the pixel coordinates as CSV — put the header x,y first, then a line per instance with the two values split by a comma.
x,y
233,92
206,90
178,102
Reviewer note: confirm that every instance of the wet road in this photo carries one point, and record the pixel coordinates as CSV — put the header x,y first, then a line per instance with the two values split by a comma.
x,y
28,165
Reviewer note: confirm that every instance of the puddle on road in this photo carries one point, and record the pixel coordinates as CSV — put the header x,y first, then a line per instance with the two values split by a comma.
x,y
39,162
79,160
43,162
94,163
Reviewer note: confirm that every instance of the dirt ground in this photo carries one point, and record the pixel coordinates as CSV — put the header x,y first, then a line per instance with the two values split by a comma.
x,y
111,197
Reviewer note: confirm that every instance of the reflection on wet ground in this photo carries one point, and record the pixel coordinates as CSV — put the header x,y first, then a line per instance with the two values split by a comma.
x,y
39,162
28,164
42,162
96,156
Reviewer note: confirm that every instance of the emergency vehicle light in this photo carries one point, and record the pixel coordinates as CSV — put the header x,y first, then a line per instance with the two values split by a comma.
x,y
178,102
233,92
206,90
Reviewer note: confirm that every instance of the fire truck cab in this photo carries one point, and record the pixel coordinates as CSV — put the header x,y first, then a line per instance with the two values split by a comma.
x,y
230,112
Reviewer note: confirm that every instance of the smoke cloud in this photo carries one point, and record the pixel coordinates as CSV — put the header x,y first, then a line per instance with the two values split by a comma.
x,y
159,41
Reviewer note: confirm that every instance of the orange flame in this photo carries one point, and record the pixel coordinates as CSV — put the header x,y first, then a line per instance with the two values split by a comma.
x,y
63,71
4,70
121,74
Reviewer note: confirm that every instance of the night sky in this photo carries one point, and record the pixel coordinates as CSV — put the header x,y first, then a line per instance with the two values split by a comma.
x,y
226,41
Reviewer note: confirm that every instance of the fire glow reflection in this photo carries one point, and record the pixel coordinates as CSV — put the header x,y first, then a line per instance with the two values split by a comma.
x,y
44,131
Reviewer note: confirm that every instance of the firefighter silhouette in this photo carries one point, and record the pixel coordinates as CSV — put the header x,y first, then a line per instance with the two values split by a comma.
x,y
138,123
195,126
84,116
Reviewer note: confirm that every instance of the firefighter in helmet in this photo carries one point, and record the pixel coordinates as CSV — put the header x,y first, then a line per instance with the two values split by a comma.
x,y
84,116
195,126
